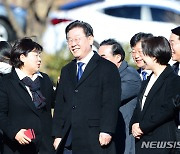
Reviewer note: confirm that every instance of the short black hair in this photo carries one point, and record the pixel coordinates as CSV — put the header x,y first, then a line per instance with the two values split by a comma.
x,y
158,47
139,37
116,47
176,31
88,30
23,46
5,50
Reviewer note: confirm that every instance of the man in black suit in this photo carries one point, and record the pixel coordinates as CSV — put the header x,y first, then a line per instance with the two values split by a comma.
x,y
175,46
130,86
86,108
26,97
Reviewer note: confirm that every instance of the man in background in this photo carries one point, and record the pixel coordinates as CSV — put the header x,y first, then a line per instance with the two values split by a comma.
x,y
175,46
130,84
135,43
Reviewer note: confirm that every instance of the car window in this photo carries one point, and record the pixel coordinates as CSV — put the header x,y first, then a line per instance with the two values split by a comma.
x,y
162,15
132,12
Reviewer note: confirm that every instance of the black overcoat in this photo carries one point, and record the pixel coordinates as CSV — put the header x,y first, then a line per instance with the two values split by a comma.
x,y
89,106
157,119
17,111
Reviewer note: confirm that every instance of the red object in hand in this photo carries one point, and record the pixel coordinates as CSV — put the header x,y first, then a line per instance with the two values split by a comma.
x,y
30,133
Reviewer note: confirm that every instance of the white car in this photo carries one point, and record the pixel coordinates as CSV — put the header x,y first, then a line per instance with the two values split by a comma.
x,y
118,19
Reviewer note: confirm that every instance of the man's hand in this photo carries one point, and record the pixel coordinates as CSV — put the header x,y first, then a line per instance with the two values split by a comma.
x,y
56,142
104,139
136,131
22,138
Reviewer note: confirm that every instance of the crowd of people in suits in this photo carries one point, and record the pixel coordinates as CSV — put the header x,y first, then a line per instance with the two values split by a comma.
x,y
101,104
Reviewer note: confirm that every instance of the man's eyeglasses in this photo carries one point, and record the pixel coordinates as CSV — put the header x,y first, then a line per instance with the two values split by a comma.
x,y
77,40
133,52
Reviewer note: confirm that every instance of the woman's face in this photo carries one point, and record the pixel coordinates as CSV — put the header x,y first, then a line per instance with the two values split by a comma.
x,y
31,62
149,62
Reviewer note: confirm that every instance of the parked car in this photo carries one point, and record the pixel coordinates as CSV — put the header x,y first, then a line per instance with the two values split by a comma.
x,y
6,30
118,19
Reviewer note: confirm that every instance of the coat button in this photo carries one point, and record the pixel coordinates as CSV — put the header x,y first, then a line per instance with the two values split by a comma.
x,y
76,90
73,107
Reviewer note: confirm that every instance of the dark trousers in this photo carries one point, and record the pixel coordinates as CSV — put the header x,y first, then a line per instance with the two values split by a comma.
x,y
66,151
65,146
68,144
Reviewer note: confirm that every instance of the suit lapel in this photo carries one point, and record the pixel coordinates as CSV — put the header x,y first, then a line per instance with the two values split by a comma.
x,y
22,91
72,72
89,68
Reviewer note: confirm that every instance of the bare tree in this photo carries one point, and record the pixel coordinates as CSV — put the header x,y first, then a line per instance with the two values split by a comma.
x,y
37,12
16,27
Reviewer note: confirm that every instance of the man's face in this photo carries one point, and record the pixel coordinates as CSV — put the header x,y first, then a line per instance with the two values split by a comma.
x,y
175,46
137,55
79,44
105,51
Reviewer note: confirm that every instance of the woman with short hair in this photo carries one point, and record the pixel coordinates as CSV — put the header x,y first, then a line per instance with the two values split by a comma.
x,y
153,119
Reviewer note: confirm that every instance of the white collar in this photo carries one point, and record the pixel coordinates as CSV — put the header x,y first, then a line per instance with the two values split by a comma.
x,y
22,75
87,58
147,71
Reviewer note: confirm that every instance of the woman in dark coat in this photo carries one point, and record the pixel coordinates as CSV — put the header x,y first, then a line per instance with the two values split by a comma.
x,y
153,123
26,95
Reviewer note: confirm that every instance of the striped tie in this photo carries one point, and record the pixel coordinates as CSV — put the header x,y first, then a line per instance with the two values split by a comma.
x,y
144,75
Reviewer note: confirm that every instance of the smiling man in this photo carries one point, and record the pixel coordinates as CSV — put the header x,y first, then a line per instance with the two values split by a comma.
x,y
88,98
175,46
136,47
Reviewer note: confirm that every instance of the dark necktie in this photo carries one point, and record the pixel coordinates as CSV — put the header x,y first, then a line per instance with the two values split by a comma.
x,y
144,75
34,86
80,71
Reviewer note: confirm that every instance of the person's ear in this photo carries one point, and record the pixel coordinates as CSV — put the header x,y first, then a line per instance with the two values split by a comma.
x,y
118,58
154,59
91,40
22,57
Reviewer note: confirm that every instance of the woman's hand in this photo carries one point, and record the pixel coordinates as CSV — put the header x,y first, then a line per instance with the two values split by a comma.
x,y
136,131
22,138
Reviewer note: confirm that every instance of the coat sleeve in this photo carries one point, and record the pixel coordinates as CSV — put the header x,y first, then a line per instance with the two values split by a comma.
x,y
135,117
130,84
58,120
5,123
111,99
